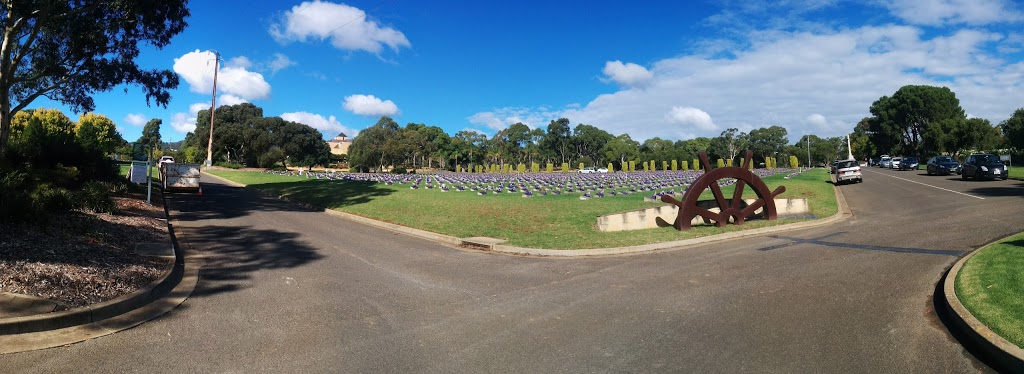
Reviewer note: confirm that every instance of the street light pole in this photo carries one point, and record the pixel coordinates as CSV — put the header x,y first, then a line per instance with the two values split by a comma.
x,y
808,151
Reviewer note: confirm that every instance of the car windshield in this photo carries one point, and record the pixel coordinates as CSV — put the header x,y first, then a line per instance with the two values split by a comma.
x,y
846,164
986,159
910,159
944,159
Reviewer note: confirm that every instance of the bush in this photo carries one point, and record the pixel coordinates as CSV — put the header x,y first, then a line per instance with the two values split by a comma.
x,y
48,198
15,204
399,170
95,197
229,165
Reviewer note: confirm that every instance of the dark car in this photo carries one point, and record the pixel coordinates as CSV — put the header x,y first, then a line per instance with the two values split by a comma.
x,y
983,165
908,163
942,165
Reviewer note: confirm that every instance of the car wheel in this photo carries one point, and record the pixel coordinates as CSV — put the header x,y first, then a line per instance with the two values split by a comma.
x,y
963,176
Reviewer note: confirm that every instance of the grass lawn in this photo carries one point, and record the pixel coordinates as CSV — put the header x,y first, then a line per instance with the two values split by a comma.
x,y
557,222
1016,172
991,286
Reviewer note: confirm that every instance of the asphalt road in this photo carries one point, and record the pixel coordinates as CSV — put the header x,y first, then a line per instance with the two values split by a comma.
x,y
287,289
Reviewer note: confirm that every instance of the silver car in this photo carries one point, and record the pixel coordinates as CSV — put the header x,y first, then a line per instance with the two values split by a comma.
x,y
895,163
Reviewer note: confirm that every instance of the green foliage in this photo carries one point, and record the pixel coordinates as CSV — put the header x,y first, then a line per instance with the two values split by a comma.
x,y
611,168
272,157
399,170
696,164
903,123
721,163
229,165
95,197
551,168
48,198
521,168
565,167
535,167
69,50
15,204
632,165
581,166
1013,129
97,133
685,166
191,154
150,138
794,162
728,162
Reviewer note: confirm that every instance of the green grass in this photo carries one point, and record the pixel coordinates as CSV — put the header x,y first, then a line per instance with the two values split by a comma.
x,y
1016,172
557,222
124,168
991,286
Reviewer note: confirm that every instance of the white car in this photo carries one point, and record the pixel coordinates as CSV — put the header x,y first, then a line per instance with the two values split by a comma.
x,y
587,171
602,170
165,160
895,163
848,170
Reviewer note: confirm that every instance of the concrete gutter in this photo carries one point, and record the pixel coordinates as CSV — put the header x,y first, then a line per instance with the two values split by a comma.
x,y
842,213
996,351
79,324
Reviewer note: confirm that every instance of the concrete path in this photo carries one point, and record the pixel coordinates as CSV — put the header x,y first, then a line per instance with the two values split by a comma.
x,y
286,289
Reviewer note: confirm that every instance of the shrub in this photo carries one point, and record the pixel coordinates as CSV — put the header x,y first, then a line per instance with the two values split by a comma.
x,y
794,162
686,166
399,170
696,164
721,163
95,197
565,167
229,165
551,168
15,204
51,199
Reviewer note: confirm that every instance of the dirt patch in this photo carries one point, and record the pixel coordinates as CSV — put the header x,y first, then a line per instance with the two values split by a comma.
x,y
83,258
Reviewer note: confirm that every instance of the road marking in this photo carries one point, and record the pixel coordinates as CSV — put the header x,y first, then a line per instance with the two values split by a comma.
x,y
925,184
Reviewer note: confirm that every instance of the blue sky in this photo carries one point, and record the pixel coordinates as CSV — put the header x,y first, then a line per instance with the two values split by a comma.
x,y
671,69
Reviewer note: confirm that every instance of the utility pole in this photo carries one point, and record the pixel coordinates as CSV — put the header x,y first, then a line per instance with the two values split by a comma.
x,y
213,108
808,151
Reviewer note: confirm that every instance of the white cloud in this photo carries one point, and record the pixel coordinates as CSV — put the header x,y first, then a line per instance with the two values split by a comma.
x,y
330,126
501,118
369,105
223,100
347,27
195,108
183,123
943,12
279,62
234,78
629,75
135,119
691,117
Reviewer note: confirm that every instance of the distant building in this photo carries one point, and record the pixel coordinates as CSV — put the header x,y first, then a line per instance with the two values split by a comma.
x,y
339,145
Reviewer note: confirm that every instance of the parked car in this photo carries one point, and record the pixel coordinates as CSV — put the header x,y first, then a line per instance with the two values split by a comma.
x,y
874,161
983,165
587,171
895,163
602,170
847,171
832,167
885,162
942,165
908,163
165,159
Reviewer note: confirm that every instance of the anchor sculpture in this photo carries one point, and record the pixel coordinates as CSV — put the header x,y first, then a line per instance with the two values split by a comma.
x,y
733,209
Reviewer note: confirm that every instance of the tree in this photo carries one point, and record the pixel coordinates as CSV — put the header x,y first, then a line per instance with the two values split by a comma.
x,y
767,142
559,138
377,145
860,140
150,137
622,148
1013,129
901,122
728,144
96,132
589,141
67,50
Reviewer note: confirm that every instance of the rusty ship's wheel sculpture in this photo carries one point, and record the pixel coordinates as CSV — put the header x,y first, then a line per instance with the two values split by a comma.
x,y
728,209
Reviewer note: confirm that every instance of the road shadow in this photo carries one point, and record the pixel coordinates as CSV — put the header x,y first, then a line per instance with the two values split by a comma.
x,y
998,188
328,193
232,255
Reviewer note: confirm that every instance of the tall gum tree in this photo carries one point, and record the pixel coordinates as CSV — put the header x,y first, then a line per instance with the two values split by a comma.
x,y
67,50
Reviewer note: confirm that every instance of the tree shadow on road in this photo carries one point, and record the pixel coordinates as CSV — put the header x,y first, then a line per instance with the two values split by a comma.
x,y
997,188
327,193
232,255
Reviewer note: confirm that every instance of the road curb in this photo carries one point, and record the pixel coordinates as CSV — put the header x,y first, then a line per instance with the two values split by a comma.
x,y
78,324
842,212
996,351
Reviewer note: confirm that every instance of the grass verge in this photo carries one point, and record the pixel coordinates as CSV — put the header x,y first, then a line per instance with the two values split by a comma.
x,y
991,286
555,222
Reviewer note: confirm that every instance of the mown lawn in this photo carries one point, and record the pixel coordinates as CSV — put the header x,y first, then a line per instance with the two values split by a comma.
x,y
557,222
991,286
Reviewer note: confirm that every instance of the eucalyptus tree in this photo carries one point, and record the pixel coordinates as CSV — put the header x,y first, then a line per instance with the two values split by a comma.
x,y
68,50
